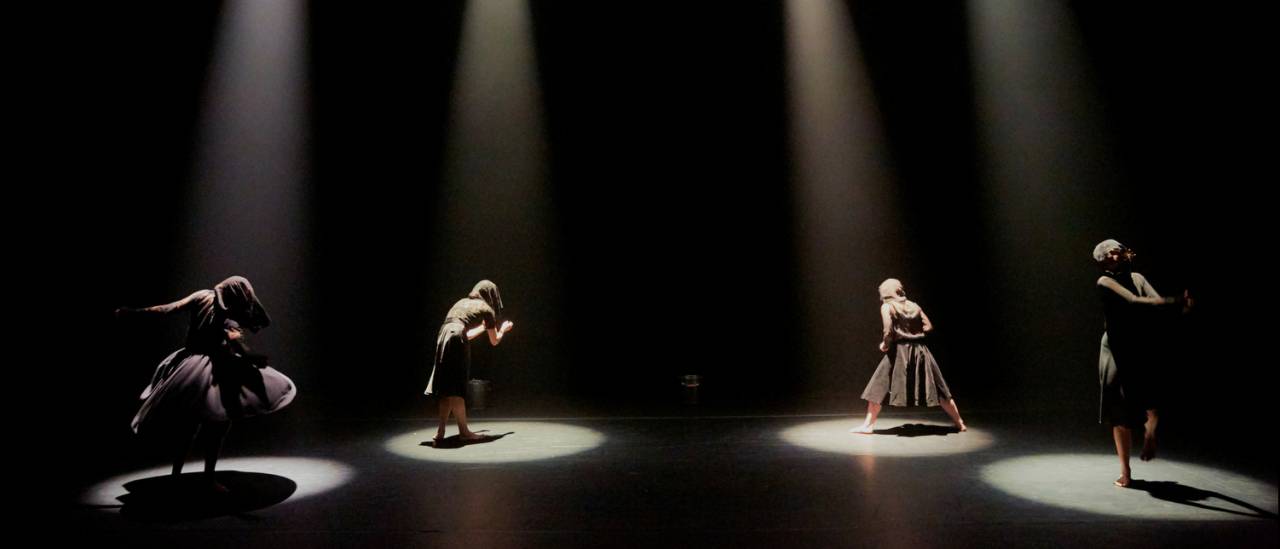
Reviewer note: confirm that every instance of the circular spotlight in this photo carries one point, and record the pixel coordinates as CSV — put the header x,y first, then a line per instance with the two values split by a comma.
x,y
311,476
892,438
509,441
1162,489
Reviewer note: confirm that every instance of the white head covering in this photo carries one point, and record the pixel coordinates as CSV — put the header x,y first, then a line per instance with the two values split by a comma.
x,y
1100,251
891,292
891,289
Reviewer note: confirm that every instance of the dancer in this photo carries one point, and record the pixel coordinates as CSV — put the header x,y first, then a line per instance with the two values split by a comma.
x,y
908,375
471,316
1125,359
215,378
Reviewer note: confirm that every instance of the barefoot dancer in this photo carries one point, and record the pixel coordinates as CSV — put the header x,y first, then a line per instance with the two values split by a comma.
x,y
907,374
1124,360
467,319
215,378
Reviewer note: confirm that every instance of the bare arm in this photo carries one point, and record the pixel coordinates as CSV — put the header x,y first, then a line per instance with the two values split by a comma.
x,y
495,336
158,310
1108,283
1144,285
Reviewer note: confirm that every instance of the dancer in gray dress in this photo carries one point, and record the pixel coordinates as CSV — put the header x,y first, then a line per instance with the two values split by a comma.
x,y
215,378
1126,369
478,313
907,375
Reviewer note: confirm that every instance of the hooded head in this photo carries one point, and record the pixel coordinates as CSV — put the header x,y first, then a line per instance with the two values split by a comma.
x,y
488,292
235,298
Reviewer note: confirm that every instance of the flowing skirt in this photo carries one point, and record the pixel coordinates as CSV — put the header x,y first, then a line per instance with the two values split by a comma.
x,y
190,387
909,376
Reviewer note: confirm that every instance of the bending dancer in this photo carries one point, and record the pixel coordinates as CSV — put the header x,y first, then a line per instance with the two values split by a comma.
x,y
1126,356
215,378
908,375
471,316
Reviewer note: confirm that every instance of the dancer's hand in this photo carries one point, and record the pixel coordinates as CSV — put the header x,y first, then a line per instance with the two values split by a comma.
x,y
884,347
122,312
507,325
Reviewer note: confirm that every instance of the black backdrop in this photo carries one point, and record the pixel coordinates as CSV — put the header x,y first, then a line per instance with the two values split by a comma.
x,y
672,213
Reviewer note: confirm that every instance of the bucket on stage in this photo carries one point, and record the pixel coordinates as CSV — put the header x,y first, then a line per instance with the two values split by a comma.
x,y
691,383
478,393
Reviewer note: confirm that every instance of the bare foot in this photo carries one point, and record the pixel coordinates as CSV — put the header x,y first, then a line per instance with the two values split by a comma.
x,y
1123,481
961,427
471,436
863,429
1148,448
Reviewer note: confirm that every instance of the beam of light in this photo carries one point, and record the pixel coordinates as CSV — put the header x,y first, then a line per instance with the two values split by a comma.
x,y
496,205
1173,490
313,476
849,235
246,213
494,219
527,441
1044,162
833,436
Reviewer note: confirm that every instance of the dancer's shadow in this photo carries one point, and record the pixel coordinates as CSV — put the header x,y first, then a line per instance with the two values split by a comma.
x,y
456,441
191,496
917,430
1168,490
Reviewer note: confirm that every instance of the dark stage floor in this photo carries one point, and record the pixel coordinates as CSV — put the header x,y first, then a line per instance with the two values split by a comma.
x,y
687,481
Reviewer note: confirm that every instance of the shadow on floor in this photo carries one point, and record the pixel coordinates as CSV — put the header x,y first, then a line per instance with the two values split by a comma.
x,y
918,430
193,496
456,441
1171,491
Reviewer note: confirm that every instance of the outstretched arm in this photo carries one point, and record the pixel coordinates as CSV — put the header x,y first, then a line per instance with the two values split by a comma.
x,y
158,310
1124,293
1144,285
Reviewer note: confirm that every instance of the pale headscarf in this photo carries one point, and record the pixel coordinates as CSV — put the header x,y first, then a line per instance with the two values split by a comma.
x,y
1100,251
891,292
